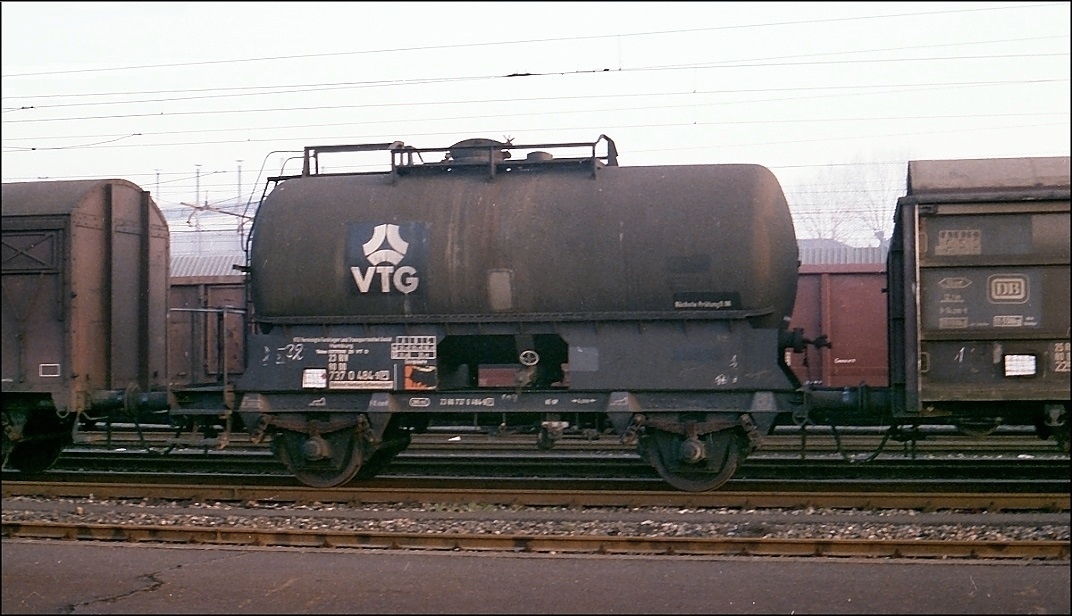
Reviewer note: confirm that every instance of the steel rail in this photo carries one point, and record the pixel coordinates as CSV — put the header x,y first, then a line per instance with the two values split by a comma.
x,y
817,443
500,493
574,465
527,543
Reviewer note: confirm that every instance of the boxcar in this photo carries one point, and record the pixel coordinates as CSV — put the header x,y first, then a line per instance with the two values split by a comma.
x,y
979,291
85,295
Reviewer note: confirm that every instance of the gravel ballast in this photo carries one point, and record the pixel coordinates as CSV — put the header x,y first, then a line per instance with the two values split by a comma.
x,y
808,523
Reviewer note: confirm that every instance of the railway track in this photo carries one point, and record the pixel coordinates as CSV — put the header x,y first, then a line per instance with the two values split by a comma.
x,y
554,492
481,517
785,440
679,546
938,446
452,473
477,460
439,460
427,479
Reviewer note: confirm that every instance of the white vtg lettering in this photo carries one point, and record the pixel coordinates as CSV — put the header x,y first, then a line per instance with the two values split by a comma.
x,y
403,279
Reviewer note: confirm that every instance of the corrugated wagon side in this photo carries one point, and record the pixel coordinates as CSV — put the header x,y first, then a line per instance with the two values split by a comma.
x,y
979,304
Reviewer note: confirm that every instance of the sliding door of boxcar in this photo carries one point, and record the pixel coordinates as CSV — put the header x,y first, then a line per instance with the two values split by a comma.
x,y
34,348
993,302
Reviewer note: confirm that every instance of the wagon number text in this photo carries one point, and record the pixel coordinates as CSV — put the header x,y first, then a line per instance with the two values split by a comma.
x,y
289,352
1061,356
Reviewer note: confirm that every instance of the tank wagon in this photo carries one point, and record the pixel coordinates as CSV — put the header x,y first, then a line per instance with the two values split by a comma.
x,y
85,287
524,286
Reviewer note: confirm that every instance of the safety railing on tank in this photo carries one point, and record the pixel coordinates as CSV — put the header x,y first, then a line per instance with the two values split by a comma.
x,y
494,155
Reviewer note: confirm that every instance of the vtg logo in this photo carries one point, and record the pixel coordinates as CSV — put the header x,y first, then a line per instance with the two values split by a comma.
x,y
383,251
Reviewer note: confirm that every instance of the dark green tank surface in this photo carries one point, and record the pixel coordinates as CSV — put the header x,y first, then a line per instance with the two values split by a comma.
x,y
534,239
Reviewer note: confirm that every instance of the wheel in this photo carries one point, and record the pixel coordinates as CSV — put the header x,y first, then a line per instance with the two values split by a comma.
x,y
321,461
722,452
36,455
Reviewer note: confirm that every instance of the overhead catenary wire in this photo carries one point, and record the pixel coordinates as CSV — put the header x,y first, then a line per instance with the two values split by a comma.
x,y
63,120
501,43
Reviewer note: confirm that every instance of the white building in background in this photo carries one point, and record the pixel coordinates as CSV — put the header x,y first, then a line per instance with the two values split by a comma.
x,y
814,252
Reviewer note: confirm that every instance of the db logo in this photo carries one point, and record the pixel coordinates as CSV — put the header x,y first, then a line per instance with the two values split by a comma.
x,y
1008,289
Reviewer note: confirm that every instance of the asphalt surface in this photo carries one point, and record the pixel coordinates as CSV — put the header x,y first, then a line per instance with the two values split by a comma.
x,y
45,577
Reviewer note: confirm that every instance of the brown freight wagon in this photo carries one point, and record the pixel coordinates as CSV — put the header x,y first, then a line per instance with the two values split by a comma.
x,y
207,296
845,302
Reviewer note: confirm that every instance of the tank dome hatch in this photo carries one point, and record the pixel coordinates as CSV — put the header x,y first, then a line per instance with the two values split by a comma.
x,y
477,150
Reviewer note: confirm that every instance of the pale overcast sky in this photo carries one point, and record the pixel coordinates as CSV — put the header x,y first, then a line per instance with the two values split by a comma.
x,y
152,90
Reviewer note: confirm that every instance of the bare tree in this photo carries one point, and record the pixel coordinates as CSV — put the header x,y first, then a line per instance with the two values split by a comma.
x,y
821,209
851,202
